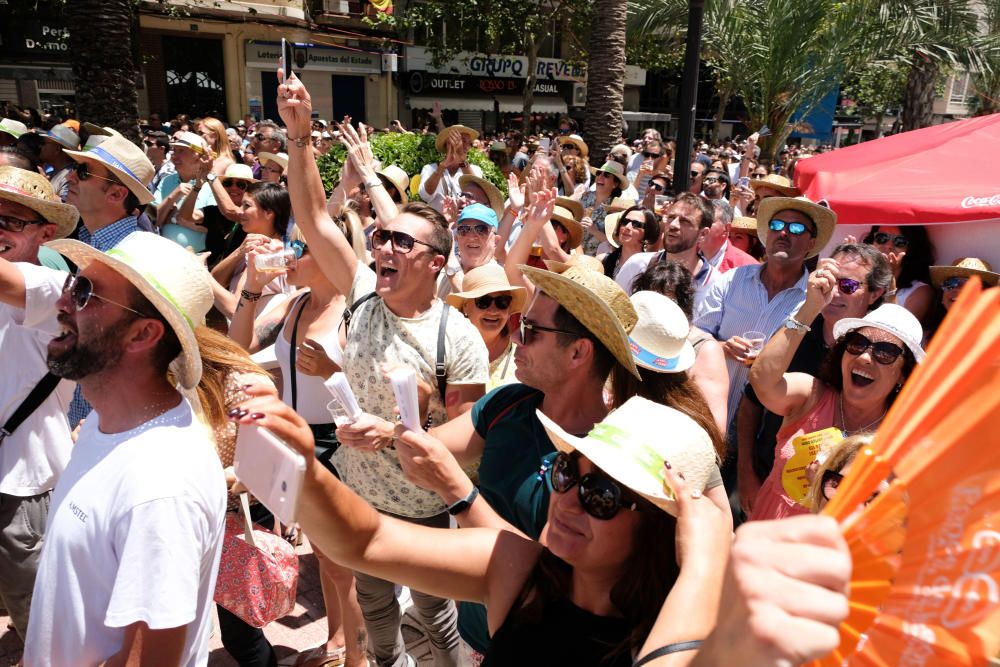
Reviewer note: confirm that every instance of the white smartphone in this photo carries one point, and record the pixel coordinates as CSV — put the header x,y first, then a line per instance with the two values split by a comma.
x,y
270,469
544,143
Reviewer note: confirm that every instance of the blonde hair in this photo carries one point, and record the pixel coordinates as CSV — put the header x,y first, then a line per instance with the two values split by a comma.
x,y
838,458
221,138
221,358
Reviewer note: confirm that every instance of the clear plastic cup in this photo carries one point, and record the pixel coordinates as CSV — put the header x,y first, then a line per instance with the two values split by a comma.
x,y
275,262
341,416
756,339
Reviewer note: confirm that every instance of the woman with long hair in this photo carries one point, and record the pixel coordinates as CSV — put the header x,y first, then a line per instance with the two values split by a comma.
x,y
630,232
609,181
214,133
910,254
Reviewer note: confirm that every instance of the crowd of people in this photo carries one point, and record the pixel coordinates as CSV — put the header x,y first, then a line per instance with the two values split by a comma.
x,y
610,375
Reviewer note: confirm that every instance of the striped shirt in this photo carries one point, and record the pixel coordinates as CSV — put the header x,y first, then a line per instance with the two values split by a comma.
x,y
736,303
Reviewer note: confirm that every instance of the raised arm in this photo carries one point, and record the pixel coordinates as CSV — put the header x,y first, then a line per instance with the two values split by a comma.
x,y
536,218
245,328
305,189
359,153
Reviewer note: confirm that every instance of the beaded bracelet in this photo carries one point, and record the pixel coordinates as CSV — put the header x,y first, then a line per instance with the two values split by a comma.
x,y
250,296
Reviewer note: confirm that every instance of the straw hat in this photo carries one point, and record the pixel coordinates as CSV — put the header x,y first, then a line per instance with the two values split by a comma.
x,y
824,218
577,141
31,189
572,224
619,204
189,140
588,262
612,169
572,205
398,178
629,445
778,183
174,280
965,267
745,223
240,172
498,147
14,128
596,301
280,158
441,142
493,194
659,340
483,280
64,136
96,135
611,221
890,318
126,161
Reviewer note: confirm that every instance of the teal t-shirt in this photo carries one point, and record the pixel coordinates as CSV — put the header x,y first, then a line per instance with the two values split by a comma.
x,y
50,258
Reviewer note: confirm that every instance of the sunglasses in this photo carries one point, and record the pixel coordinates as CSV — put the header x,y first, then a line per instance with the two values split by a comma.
x,y
16,225
658,187
401,241
757,176
831,482
82,170
634,224
654,156
81,289
794,228
299,248
955,282
527,330
502,301
695,174
235,182
711,180
898,241
479,229
883,352
600,496
848,285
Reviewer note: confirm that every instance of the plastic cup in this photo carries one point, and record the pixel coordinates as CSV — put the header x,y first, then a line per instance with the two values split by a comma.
x,y
756,339
275,262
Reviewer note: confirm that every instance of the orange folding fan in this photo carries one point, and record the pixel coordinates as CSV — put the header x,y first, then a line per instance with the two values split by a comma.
x,y
925,591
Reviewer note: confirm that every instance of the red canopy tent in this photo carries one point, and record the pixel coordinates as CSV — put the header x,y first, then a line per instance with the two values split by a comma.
x,y
942,174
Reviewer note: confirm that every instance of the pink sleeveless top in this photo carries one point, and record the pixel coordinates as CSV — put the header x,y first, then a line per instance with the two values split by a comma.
x,y
772,501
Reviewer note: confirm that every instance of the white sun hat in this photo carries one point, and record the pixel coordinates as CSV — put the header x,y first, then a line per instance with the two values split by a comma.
x,y
174,280
892,319
65,136
659,340
14,128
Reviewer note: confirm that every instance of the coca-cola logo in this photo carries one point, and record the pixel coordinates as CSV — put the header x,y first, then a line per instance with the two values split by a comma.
x,y
979,202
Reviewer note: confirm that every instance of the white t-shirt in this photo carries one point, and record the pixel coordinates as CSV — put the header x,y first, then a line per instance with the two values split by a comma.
x,y
35,454
375,336
447,186
134,534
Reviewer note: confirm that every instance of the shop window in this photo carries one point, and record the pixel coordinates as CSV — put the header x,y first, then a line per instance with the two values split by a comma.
x,y
348,96
195,76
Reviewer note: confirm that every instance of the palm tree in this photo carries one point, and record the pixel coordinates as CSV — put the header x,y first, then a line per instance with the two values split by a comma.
x,y
605,76
103,42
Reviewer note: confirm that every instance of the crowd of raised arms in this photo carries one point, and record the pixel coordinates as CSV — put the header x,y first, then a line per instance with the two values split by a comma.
x,y
610,377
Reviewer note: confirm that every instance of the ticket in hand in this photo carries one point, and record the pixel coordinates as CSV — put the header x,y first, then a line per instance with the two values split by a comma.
x,y
344,406
404,386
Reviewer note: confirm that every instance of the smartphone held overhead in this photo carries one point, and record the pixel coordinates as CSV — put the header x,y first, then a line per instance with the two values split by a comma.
x,y
286,58
270,469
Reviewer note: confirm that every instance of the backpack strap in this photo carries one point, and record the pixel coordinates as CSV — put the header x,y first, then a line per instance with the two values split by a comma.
x,y
35,398
345,319
439,370
291,348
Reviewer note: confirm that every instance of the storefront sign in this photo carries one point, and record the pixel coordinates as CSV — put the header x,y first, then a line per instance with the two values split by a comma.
x,y
422,83
47,39
310,57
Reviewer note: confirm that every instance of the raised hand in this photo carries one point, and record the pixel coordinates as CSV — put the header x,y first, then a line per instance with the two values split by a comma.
x,y
822,283
539,211
515,191
294,106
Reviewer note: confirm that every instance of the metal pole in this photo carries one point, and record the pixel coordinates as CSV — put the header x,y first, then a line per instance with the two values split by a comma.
x,y
689,97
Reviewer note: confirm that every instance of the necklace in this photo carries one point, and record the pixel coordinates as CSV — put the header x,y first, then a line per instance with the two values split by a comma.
x,y
843,420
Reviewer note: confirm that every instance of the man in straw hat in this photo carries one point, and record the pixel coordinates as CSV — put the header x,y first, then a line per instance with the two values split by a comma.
x,y
441,180
758,299
135,534
10,131
399,322
34,449
189,153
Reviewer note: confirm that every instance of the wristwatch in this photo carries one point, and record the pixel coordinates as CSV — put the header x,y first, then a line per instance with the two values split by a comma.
x,y
211,177
374,182
461,505
792,323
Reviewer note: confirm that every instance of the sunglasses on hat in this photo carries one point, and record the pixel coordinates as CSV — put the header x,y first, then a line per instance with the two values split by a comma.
x,y
898,241
883,352
502,301
80,290
794,228
600,496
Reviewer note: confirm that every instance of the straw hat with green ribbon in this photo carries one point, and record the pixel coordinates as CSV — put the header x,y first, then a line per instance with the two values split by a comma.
x,y
596,301
174,280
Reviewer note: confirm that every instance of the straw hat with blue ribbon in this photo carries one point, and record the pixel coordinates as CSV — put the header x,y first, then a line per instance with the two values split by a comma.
x,y
126,161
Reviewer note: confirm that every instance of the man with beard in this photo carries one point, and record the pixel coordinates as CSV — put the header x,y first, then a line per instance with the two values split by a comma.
x,y
686,226
35,450
135,533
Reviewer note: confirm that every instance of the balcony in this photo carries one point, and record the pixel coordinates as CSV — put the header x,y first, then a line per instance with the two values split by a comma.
x,y
293,9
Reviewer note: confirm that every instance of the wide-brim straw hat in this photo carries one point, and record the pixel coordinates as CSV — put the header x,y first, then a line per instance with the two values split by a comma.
x,y
573,227
588,262
824,219
660,338
14,128
493,193
577,141
611,221
572,205
891,318
240,172
965,267
745,223
441,142
632,443
31,189
596,301
484,280
398,178
280,158
619,204
174,280
612,169
126,161
776,182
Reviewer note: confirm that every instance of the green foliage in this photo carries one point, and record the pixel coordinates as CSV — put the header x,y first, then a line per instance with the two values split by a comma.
x,y
409,152
875,89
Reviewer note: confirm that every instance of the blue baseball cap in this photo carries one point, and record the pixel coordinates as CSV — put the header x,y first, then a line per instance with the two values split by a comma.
x,y
480,213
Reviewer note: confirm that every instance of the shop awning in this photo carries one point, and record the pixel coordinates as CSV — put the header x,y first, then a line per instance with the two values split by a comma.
x,y
647,116
515,104
467,103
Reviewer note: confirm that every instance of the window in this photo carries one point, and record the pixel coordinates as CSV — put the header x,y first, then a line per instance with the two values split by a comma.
x,y
959,88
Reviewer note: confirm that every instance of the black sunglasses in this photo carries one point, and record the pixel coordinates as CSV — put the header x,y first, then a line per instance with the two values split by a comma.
x,y
401,241
883,352
527,330
82,170
600,496
235,182
81,289
695,174
502,301
655,156
9,224
898,241
633,223
757,177
848,285
658,187
479,229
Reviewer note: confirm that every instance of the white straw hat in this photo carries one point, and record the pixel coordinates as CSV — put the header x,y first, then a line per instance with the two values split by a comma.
x,y
493,194
190,140
126,161
892,319
31,189
65,136
398,178
240,172
14,128
632,443
280,158
174,280
483,280
659,341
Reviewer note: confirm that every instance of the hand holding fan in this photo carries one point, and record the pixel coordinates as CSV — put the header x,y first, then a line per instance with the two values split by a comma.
x,y
925,589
